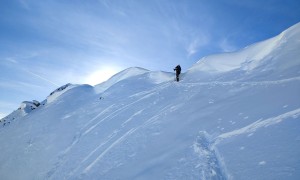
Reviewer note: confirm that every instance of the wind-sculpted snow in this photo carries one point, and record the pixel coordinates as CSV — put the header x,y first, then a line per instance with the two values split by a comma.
x,y
271,59
239,124
259,124
125,74
59,91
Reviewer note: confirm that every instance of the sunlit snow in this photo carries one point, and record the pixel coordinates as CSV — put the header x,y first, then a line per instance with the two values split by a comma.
x,y
231,116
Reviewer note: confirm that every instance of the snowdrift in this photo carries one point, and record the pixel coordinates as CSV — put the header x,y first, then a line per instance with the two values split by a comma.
x,y
232,116
275,58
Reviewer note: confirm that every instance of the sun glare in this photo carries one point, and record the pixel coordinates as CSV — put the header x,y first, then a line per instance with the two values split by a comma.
x,y
101,75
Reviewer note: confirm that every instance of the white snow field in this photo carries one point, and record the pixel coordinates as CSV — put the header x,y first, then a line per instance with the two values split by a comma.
x,y
232,116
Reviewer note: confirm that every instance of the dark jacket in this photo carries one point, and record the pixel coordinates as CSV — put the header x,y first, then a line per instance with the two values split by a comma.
x,y
177,69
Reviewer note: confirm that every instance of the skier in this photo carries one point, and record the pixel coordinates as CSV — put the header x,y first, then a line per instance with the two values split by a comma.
x,y
178,71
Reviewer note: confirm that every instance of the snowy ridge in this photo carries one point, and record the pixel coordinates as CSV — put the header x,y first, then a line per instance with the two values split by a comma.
x,y
259,59
59,91
232,116
246,59
127,73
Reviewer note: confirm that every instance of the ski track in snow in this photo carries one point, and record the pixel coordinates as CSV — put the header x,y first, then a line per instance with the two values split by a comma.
x,y
89,127
113,135
97,116
209,162
154,89
254,83
210,165
89,167
258,124
75,141
131,117
115,113
92,153
84,132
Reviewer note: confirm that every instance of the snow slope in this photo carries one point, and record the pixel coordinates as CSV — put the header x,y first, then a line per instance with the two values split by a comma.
x,y
232,116
127,73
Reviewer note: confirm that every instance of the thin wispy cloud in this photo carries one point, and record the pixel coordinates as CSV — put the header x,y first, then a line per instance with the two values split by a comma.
x,y
19,85
226,46
15,64
51,43
24,4
42,78
197,43
5,104
11,60
193,47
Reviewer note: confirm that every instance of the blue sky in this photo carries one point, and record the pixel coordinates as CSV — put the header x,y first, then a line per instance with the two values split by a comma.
x,y
46,44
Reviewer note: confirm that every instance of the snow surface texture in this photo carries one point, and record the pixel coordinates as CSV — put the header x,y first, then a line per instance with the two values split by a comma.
x,y
232,116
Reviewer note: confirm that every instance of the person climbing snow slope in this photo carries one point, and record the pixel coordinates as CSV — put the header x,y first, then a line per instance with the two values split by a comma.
x,y
178,71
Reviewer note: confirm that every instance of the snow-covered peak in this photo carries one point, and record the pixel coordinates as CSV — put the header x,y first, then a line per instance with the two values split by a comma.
x,y
250,57
127,73
59,91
